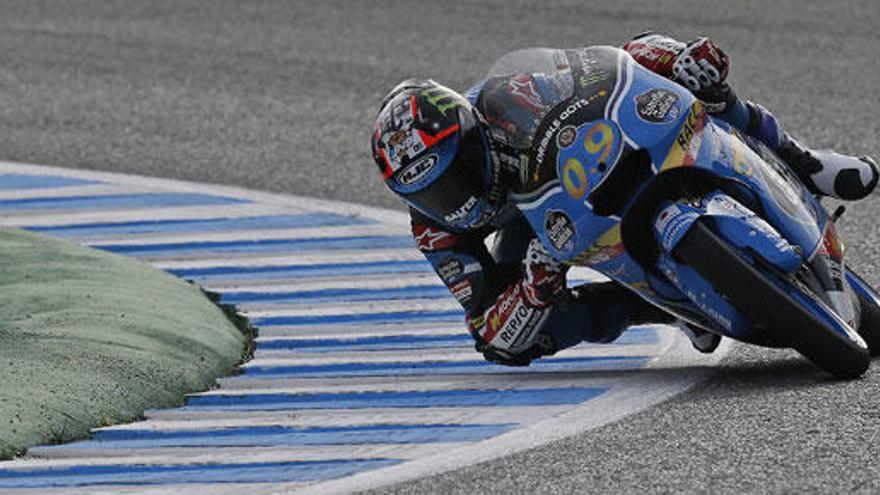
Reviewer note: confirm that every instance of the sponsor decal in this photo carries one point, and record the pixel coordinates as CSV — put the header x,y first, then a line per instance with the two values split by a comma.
x,y
462,291
405,143
441,99
560,230
665,216
694,122
658,106
417,170
713,313
600,254
675,228
549,134
450,269
522,88
511,323
687,143
566,136
463,211
519,327
591,70
607,247
431,239
658,58
406,146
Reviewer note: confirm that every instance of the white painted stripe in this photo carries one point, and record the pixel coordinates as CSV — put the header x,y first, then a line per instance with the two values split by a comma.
x,y
362,308
232,455
40,219
245,235
177,489
411,384
416,382
305,259
392,282
353,331
429,355
331,418
395,218
71,191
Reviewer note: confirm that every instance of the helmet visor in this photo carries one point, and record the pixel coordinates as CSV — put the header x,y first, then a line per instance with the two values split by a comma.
x,y
458,196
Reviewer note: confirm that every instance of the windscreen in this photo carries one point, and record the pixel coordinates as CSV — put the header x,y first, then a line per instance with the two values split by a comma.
x,y
528,60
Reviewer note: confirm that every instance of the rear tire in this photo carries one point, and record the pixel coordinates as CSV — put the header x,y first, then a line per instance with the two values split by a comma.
x,y
869,323
761,300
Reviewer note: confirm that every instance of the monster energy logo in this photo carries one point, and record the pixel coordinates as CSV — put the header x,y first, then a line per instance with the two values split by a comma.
x,y
588,79
440,99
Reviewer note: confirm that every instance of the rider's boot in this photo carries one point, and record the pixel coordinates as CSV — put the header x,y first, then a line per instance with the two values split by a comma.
x,y
823,171
607,300
703,341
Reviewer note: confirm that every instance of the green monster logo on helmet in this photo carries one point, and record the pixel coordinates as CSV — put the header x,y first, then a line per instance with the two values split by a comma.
x,y
437,96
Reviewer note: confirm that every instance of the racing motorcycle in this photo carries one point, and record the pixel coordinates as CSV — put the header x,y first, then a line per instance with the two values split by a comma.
x,y
631,177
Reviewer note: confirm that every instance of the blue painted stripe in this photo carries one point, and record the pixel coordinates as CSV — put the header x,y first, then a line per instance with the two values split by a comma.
x,y
439,367
339,295
385,342
202,225
271,436
633,336
293,271
556,396
140,474
263,245
29,181
371,318
117,201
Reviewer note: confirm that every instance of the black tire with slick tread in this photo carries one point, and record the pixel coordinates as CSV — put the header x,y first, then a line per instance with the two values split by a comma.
x,y
869,323
761,300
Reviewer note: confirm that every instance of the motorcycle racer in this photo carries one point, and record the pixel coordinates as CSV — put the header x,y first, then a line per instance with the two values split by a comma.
x,y
457,161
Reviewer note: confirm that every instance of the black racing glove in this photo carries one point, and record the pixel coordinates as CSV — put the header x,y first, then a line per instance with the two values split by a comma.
x,y
543,346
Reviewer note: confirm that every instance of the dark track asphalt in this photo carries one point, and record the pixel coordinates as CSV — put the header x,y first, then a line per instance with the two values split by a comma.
x,y
280,96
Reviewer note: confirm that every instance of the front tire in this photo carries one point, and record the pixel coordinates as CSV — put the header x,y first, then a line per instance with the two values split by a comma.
x,y
761,300
869,323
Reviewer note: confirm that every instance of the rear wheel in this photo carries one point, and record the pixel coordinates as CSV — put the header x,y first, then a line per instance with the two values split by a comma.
x,y
869,304
761,300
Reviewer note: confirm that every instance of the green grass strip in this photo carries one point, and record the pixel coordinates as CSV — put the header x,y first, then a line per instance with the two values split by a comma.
x,y
89,338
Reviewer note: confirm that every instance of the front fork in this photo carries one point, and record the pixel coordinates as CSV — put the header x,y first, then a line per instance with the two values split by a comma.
x,y
756,240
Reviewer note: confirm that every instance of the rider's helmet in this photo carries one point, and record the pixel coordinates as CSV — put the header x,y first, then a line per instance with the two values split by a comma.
x,y
433,149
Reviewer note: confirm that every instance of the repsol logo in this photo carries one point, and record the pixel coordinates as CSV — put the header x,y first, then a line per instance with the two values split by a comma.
x,y
515,324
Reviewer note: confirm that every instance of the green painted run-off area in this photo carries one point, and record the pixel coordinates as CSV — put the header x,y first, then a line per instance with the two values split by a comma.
x,y
88,339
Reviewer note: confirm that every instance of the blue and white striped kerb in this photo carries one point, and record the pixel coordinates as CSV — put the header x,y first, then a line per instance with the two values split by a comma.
x,y
363,373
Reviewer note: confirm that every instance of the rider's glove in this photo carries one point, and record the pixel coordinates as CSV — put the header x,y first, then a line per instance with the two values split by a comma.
x,y
655,52
543,346
510,331
544,276
702,67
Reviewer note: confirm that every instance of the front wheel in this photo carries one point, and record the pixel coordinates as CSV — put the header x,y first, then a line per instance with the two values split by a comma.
x,y
869,305
827,341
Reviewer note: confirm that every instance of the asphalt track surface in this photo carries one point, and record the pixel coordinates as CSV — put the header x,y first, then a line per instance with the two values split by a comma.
x,y
280,96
